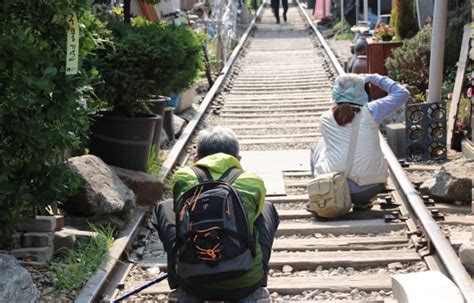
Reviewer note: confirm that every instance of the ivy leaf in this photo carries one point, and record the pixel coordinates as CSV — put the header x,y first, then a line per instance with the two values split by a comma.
x,y
50,71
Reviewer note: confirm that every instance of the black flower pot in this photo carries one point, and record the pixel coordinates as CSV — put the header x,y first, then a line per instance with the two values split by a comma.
x,y
123,141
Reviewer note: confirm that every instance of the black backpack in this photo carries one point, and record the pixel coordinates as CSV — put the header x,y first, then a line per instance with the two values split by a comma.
x,y
213,240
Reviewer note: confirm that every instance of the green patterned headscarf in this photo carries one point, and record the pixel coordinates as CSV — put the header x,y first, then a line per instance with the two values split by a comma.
x,y
349,88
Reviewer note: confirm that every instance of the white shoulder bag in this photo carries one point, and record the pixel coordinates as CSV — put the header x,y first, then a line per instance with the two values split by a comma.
x,y
329,194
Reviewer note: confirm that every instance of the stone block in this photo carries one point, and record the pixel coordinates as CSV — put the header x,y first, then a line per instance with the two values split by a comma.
x,y
63,240
147,188
427,286
39,224
466,255
396,138
37,239
36,254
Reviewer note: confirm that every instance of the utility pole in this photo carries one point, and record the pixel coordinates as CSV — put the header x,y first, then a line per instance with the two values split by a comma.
x,y
342,13
357,11
366,10
220,44
437,50
379,9
324,8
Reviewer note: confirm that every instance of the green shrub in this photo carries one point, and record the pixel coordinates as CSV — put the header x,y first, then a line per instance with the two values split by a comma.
x,y
457,18
410,63
148,58
43,112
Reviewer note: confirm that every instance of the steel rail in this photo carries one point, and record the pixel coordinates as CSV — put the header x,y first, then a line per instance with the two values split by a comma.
x,y
189,129
443,247
94,286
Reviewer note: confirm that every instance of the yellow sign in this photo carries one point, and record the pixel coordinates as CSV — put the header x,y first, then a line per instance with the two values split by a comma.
x,y
72,55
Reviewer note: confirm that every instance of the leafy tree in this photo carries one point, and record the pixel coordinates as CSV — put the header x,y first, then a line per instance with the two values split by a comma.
x,y
44,113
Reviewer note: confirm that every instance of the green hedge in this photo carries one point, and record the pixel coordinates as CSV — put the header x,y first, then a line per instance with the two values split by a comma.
x,y
43,112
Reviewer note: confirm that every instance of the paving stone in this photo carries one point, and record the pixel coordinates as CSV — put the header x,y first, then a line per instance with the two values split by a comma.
x,y
37,239
39,223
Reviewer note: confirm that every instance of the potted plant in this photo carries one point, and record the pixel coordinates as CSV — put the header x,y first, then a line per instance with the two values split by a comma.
x,y
147,59
379,49
384,32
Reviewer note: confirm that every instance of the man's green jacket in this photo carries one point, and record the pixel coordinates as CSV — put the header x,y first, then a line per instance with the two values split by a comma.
x,y
252,191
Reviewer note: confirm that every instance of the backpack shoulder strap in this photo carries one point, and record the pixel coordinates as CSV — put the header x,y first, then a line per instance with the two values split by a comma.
x,y
231,175
201,173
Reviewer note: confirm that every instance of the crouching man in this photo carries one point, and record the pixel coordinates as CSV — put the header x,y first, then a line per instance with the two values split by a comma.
x,y
218,230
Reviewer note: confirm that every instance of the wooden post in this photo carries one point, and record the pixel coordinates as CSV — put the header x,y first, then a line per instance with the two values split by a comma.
x,y
453,110
437,50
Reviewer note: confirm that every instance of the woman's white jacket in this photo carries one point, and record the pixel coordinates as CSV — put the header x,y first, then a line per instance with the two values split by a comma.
x,y
369,166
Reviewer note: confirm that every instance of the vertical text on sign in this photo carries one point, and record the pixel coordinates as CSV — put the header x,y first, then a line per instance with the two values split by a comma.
x,y
72,51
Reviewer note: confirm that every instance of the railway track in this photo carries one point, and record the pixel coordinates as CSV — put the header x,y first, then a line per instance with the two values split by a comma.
x,y
272,98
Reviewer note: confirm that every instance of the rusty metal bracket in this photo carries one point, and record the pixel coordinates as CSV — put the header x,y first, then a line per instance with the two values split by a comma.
x,y
428,201
394,217
437,215
387,203
424,245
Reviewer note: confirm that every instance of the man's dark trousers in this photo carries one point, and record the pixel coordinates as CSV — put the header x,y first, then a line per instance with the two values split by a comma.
x,y
164,220
276,9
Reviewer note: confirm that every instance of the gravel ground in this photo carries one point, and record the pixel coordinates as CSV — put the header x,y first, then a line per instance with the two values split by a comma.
x,y
369,235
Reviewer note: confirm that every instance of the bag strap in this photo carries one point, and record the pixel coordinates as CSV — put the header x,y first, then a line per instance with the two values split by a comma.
x,y
201,173
352,144
231,175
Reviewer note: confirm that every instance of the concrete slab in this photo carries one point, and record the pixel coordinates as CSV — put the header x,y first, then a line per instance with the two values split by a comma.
x,y
396,138
428,286
269,165
295,160
273,182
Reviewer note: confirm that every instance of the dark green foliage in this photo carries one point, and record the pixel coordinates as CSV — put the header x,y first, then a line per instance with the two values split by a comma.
x,y
43,112
410,63
457,18
149,58
406,23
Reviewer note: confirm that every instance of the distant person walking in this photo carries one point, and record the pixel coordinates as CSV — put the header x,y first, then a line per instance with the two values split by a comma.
x,y
276,9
